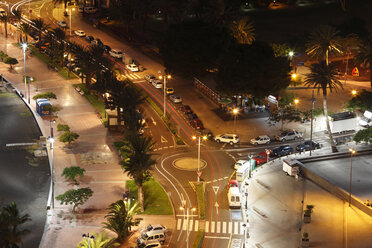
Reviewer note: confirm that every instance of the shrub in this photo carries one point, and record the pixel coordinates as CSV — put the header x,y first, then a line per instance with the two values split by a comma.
x,y
47,95
63,128
68,137
201,201
10,61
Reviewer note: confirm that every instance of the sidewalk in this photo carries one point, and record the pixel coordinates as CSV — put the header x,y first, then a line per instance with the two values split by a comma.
x,y
93,151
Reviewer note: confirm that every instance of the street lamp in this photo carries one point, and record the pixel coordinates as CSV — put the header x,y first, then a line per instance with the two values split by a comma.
x,y
235,112
199,138
294,76
51,141
187,222
88,237
24,46
291,54
244,225
312,117
352,152
296,101
354,92
165,88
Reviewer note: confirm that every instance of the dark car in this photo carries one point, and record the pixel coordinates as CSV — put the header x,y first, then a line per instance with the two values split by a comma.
x,y
186,109
192,116
197,124
106,48
306,146
283,150
89,38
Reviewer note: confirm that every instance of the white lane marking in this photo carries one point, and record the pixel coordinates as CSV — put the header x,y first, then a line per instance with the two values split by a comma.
x,y
230,227
224,227
218,227
216,237
196,226
163,140
242,228
190,225
212,226
184,225
236,227
179,222
207,226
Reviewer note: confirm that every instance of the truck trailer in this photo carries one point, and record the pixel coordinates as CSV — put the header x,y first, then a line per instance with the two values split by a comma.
x,y
343,122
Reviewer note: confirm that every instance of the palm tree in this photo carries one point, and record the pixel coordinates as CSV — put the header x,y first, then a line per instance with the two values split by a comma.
x,y
40,26
59,36
120,218
323,76
100,241
99,62
365,55
10,221
323,42
139,161
25,29
243,31
5,18
17,15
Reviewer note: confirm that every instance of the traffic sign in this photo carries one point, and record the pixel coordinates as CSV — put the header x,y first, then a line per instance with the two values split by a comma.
x,y
267,151
199,173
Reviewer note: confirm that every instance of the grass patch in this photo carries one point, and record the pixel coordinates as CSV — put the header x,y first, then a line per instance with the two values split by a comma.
x,y
198,241
201,200
94,101
156,199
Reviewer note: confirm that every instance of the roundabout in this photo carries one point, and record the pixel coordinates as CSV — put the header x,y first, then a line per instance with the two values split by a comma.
x,y
189,164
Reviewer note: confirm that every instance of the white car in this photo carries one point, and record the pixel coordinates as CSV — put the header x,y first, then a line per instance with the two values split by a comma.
x,y
154,227
227,138
132,67
175,99
150,77
240,163
62,24
80,33
157,83
260,140
116,53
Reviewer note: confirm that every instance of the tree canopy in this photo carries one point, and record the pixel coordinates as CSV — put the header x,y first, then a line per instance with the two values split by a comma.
x,y
362,101
364,135
252,69
76,197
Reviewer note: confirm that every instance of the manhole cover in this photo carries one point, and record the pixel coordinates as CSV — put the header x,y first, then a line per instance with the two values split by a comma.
x,y
188,163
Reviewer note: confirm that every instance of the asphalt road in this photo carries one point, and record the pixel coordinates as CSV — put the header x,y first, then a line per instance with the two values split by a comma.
x,y
24,179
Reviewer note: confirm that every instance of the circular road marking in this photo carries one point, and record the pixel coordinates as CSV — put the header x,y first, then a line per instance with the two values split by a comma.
x,y
188,163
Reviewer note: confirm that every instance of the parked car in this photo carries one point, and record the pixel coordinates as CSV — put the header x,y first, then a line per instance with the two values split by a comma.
x,y
283,150
169,91
153,244
157,83
132,67
89,38
192,116
80,33
240,163
116,53
150,236
260,140
306,146
90,10
97,42
186,109
149,77
62,24
107,49
154,227
196,124
227,138
261,158
175,99
289,135
81,9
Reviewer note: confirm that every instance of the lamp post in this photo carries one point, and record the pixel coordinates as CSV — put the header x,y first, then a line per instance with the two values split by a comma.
x,y
24,46
69,53
311,126
291,54
199,138
235,112
51,140
88,237
244,225
296,101
352,152
187,222
165,77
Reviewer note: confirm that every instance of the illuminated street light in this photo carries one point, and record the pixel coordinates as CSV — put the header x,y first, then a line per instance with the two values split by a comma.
x,y
69,54
296,101
235,112
354,92
164,90
294,76
352,152
194,138
291,53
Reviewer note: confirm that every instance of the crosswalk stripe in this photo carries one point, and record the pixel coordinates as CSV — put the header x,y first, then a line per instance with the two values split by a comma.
x,y
196,226
218,227
230,227
184,225
190,226
224,227
179,222
236,228
207,226
241,228
212,226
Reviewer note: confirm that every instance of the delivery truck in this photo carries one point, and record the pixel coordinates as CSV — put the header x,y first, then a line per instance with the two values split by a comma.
x,y
343,122
366,120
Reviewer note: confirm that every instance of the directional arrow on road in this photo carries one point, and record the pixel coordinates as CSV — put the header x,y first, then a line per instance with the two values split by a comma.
x,y
215,189
153,121
163,140
216,205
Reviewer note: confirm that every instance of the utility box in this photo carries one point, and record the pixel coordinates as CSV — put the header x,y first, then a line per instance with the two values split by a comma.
x,y
291,167
43,107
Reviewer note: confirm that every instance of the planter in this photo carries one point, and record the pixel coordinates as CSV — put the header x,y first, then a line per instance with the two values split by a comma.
x,y
305,242
307,218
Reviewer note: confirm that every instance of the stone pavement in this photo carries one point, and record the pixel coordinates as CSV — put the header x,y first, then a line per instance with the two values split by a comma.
x,y
93,151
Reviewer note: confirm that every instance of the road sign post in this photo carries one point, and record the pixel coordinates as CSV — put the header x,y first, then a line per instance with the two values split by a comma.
x,y
267,155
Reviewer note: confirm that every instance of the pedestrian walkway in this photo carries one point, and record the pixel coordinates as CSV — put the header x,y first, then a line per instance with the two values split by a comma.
x,y
222,227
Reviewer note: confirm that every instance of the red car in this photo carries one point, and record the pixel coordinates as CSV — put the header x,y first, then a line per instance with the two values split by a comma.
x,y
197,124
261,158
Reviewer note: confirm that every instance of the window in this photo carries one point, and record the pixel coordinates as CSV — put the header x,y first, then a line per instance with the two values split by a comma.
x,y
232,198
237,198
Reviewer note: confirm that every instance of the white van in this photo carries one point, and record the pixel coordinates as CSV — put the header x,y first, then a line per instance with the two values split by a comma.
x,y
151,236
242,172
116,53
234,197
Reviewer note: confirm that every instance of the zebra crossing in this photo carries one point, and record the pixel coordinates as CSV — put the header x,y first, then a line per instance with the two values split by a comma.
x,y
222,227
132,76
